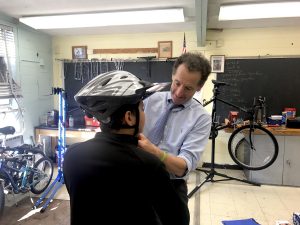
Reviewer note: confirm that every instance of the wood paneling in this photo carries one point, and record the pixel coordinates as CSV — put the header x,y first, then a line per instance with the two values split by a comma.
x,y
124,50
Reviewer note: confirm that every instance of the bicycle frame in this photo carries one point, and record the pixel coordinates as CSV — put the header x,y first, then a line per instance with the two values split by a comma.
x,y
24,170
215,99
215,125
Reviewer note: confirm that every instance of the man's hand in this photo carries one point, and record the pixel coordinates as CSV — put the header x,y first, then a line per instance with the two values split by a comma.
x,y
174,164
147,145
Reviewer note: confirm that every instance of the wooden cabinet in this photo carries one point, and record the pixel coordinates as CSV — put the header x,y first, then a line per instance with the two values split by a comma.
x,y
285,170
291,161
48,136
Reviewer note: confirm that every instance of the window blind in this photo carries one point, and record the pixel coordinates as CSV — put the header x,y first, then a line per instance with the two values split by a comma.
x,y
8,87
11,110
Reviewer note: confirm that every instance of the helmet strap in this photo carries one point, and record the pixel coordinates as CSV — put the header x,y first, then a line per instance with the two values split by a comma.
x,y
137,123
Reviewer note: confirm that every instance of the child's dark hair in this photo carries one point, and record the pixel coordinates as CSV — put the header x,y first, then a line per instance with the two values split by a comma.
x,y
116,119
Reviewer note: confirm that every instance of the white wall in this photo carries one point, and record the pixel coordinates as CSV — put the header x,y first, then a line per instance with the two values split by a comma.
x,y
260,42
34,72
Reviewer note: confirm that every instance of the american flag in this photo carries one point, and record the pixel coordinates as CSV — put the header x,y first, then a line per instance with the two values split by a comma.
x,y
184,45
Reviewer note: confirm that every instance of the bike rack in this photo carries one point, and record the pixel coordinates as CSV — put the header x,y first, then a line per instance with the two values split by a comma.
x,y
59,180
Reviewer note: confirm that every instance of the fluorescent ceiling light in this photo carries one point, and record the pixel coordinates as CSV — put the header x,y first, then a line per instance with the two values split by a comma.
x,y
105,19
259,10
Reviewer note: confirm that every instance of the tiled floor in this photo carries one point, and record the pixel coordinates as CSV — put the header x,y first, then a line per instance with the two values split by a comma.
x,y
233,200
211,204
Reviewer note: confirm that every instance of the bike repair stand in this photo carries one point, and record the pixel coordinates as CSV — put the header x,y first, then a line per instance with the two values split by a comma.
x,y
59,180
213,134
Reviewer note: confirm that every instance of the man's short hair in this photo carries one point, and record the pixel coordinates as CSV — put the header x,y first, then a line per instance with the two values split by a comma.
x,y
195,62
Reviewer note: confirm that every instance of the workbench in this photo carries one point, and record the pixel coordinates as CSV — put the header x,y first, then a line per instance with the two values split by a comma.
x,y
79,132
49,135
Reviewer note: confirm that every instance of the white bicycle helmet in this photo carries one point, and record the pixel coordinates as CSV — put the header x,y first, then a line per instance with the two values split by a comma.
x,y
107,92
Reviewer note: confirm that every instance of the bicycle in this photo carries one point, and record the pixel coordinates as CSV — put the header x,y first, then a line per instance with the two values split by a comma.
x,y
20,171
244,143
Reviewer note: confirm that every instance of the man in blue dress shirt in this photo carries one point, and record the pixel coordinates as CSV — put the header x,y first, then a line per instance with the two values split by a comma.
x,y
188,126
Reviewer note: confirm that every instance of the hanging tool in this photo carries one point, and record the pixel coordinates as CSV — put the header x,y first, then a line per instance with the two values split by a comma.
x,y
148,60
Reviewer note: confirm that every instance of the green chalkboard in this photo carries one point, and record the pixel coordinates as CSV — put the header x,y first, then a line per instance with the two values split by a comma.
x,y
276,79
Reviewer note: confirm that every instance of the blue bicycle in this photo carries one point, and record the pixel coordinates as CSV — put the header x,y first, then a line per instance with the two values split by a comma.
x,y
22,169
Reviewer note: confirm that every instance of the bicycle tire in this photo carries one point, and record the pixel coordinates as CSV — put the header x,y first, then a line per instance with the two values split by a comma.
x,y
264,151
41,175
2,200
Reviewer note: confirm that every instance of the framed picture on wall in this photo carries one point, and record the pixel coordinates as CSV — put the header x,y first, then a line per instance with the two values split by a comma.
x,y
165,49
79,52
217,63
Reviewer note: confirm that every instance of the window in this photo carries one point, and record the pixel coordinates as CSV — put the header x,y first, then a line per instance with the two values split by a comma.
x,y
10,92
7,49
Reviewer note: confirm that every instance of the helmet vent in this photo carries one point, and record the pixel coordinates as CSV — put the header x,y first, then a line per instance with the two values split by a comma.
x,y
105,82
106,93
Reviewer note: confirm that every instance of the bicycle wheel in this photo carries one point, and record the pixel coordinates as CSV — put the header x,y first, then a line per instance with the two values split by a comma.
x,y
2,199
41,175
253,147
